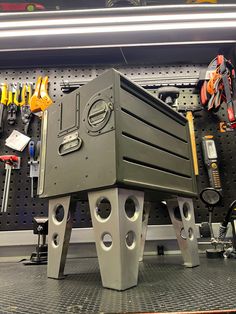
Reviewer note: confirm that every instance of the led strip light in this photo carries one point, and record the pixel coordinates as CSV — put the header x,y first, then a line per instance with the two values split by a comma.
x,y
139,26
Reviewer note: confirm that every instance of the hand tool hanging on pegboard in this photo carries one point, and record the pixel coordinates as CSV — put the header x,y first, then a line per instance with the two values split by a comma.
x,y
13,102
219,87
210,157
40,100
34,151
11,162
26,114
3,102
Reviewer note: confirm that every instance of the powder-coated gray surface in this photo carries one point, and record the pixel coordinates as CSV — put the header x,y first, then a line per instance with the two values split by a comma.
x,y
164,286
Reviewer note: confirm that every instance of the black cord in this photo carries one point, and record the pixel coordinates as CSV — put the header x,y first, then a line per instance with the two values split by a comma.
x,y
229,213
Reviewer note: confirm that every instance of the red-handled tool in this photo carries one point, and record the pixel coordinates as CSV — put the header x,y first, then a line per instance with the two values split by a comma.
x,y
219,88
11,162
11,159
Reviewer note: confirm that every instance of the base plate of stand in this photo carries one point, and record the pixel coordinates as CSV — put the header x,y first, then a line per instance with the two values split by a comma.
x,y
214,253
38,258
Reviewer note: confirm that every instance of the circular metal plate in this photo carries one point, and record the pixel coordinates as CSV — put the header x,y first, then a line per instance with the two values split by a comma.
x,y
97,113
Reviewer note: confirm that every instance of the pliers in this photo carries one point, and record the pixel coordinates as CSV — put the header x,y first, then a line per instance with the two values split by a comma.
x,y
12,104
26,114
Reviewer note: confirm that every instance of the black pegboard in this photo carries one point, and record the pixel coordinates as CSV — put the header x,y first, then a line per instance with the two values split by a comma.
x,y
22,208
208,124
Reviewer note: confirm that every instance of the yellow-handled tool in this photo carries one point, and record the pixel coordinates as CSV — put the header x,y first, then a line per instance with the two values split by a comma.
x,y
26,114
190,118
40,100
3,102
12,104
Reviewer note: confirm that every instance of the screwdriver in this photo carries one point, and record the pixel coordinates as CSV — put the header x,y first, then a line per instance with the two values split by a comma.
x,y
32,155
34,150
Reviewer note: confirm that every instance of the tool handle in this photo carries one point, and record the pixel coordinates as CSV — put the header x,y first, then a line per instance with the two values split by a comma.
x,y
1,117
9,158
10,97
16,91
4,94
32,149
29,91
23,95
189,117
211,161
38,87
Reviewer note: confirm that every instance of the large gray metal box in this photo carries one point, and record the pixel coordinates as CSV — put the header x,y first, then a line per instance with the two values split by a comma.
x,y
111,132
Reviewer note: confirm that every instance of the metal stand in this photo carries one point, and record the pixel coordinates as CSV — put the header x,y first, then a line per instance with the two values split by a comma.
x,y
60,225
118,235
182,217
146,211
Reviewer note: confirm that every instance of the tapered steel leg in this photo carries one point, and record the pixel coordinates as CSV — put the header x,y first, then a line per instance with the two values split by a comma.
x,y
146,211
118,236
182,217
60,225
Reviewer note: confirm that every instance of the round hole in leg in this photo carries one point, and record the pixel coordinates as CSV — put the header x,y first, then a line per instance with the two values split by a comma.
x,y
190,233
106,241
131,208
103,209
186,211
177,213
59,213
55,239
130,239
183,234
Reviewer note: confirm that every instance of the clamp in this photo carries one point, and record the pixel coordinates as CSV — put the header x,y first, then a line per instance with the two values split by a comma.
x,y
220,88
40,100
